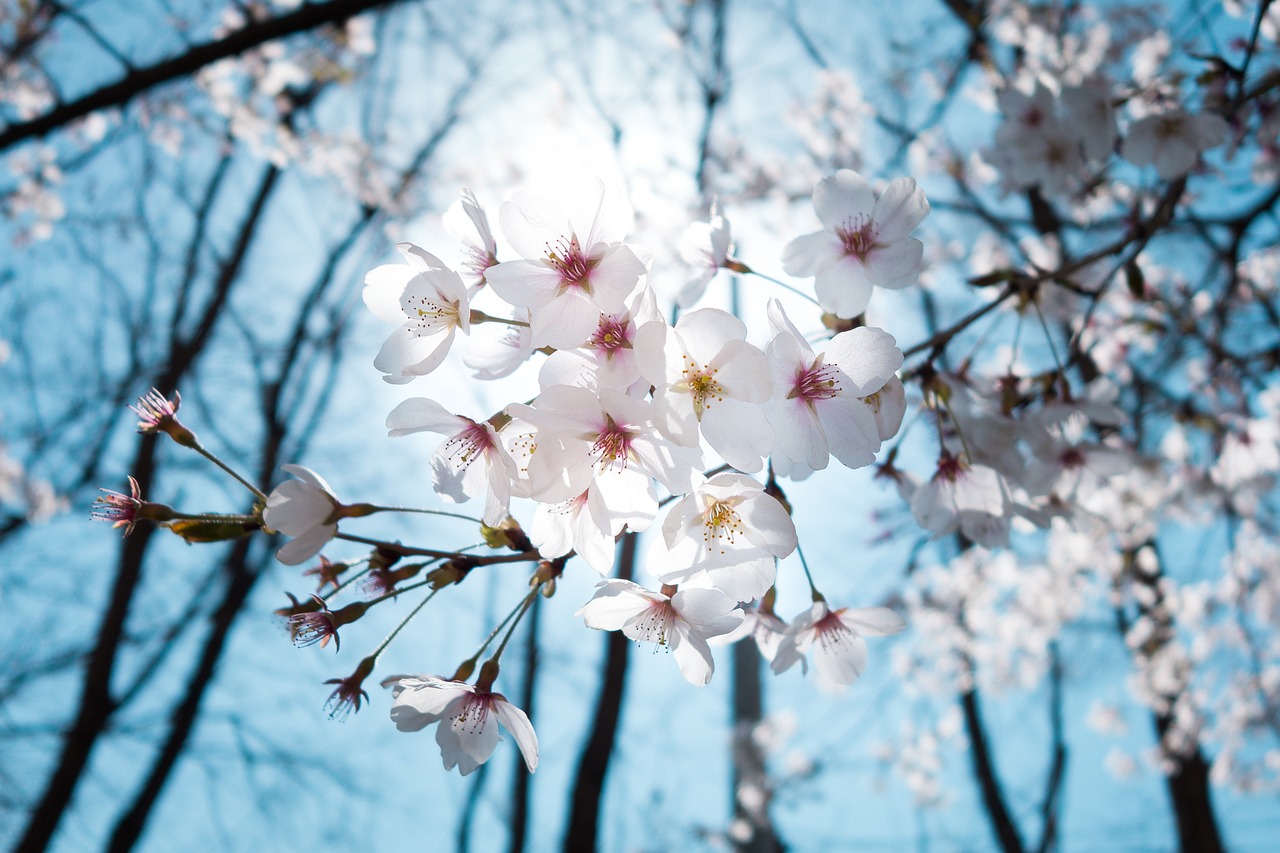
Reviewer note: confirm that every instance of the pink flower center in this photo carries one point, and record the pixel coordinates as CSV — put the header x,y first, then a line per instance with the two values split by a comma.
x,y
310,628
816,382
654,626
858,236
573,506
949,468
613,334
612,444
1072,458
572,264
474,716
473,441
831,632
115,507
478,260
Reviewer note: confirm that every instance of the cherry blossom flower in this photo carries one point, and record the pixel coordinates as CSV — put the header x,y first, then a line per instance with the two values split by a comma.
x,y
119,509
728,532
708,380
606,441
865,241
608,358
345,699
427,302
839,652
1087,111
588,525
304,508
680,620
465,220
888,407
567,275
1173,141
580,525
1070,471
705,246
350,693
1033,145
455,473
970,498
157,414
469,717
762,626
315,626
832,404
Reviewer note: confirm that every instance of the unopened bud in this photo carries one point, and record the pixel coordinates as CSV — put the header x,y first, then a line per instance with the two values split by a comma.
x,y
350,613
383,581
383,558
547,571
488,674
508,534
936,385
452,572
842,324
464,670
766,603
354,510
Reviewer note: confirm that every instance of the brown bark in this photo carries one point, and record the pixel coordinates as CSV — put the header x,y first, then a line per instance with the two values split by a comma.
x,y
582,831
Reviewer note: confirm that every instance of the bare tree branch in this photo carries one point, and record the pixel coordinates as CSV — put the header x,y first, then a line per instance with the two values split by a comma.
x,y
135,82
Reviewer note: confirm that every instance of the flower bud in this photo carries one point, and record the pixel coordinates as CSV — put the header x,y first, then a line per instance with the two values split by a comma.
x,y
547,572
841,324
464,670
488,674
383,558
508,534
452,572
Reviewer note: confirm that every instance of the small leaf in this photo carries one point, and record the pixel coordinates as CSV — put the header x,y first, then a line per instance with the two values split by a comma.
x,y
211,530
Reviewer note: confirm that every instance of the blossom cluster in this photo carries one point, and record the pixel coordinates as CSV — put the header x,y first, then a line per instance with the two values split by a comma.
x,y
638,422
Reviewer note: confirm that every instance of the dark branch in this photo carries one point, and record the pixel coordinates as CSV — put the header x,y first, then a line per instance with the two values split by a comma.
x,y
306,17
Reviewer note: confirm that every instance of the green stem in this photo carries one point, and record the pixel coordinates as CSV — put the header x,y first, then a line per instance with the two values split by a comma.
x,y
785,286
372,508
478,316
524,608
813,588
518,610
405,621
199,448
210,516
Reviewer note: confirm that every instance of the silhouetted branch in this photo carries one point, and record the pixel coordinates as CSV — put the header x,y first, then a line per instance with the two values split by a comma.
x,y
993,799
583,827
306,17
